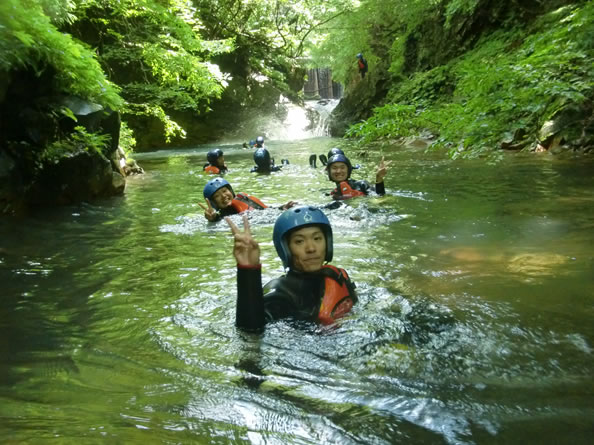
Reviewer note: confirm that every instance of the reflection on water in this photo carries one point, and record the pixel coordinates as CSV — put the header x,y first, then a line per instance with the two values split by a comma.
x,y
473,325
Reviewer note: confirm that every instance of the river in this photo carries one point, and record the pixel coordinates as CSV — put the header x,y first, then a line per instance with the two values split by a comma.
x,y
474,324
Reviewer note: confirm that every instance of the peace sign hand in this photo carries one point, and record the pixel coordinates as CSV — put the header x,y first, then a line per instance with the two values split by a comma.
x,y
245,249
209,213
382,169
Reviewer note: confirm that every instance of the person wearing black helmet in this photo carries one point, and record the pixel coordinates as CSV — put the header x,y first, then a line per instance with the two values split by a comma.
x,y
264,164
222,201
216,162
324,159
339,171
310,290
259,142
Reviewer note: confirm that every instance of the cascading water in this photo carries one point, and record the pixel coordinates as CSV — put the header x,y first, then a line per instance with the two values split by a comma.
x,y
300,122
320,111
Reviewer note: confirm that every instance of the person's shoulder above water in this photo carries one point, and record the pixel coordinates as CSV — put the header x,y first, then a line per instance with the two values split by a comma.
x,y
339,169
221,200
216,162
264,162
310,290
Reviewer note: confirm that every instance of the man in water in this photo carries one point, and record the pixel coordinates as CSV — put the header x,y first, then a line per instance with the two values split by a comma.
x,y
259,142
222,201
216,162
310,290
339,171
264,164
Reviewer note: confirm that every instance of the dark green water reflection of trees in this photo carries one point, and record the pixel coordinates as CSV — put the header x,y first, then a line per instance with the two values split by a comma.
x,y
474,323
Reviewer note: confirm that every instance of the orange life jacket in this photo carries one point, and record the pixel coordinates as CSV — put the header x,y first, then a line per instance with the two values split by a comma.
x,y
337,300
243,202
345,191
361,64
212,169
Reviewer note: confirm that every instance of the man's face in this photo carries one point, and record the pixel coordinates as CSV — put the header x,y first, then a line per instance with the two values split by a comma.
x,y
221,161
339,172
308,249
222,197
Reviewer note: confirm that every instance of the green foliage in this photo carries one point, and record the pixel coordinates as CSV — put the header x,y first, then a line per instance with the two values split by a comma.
x,y
79,140
512,82
127,140
155,52
370,27
28,39
387,122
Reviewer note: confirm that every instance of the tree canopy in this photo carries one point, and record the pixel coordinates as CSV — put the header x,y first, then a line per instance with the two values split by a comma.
x,y
471,71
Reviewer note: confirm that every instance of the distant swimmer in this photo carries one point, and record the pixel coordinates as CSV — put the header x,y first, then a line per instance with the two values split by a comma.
x,y
216,162
264,163
259,142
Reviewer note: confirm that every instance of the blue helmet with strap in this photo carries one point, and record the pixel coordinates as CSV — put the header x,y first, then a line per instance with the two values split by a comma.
x,y
335,151
339,158
260,140
262,158
211,188
213,155
359,56
297,218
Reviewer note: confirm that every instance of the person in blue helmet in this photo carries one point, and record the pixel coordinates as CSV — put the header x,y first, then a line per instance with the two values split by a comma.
x,y
339,171
264,163
310,290
362,64
216,162
222,201
259,142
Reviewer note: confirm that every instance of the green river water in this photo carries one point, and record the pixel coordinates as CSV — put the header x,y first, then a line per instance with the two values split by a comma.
x,y
474,324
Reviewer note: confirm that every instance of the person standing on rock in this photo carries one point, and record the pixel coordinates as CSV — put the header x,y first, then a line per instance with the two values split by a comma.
x,y
362,63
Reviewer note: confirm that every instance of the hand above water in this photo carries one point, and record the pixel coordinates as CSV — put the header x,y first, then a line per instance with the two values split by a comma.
x,y
209,213
382,169
289,205
245,248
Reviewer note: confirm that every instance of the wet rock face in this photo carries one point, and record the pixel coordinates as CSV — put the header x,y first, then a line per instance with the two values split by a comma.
x,y
31,119
83,176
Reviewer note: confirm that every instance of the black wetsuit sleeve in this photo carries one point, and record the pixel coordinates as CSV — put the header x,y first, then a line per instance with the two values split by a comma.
x,y
380,189
249,313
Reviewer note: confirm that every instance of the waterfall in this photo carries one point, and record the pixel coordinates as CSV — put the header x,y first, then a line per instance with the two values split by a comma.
x,y
319,115
300,122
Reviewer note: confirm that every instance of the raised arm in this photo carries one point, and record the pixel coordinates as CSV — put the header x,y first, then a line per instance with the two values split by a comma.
x,y
382,170
209,213
249,312
246,249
